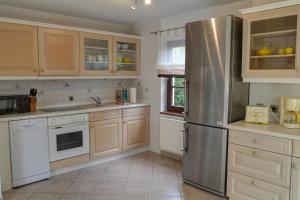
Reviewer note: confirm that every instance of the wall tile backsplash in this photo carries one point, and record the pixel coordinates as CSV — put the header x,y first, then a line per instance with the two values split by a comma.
x,y
52,93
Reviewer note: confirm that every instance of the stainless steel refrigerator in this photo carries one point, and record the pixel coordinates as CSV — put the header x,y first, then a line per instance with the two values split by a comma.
x,y
215,96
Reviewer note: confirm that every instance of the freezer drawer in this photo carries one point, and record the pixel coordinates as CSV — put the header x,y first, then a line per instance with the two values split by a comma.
x,y
204,161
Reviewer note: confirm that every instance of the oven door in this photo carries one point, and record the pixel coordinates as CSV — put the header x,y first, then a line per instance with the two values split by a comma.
x,y
68,141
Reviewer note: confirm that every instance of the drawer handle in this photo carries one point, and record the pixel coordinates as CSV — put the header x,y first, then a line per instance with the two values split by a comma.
x,y
254,141
253,153
253,183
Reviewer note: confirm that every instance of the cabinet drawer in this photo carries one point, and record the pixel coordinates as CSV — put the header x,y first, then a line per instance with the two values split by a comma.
x,y
103,115
135,111
263,142
263,165
244,188
296,148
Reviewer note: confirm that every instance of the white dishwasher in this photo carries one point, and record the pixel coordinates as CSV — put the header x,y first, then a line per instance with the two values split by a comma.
x,y
29,151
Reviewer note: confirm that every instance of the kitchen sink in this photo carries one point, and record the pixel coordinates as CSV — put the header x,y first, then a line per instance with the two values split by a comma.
x,y
80,107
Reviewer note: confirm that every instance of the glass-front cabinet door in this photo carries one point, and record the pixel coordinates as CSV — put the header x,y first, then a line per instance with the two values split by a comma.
x,y
96,54
271,44
126,56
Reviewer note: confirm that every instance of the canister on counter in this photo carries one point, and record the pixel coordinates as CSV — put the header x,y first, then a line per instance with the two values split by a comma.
x,y
119,96
125,95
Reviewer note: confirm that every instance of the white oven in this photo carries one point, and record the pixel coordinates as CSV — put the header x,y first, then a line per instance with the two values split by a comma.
x,y
68,136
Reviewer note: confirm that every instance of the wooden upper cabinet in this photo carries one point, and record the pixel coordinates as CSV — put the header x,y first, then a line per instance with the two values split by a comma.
x,y
58,52
18,49
95,54
126,56
272,43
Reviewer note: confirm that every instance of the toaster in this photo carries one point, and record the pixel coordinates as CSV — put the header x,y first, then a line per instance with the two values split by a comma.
x,y
257,114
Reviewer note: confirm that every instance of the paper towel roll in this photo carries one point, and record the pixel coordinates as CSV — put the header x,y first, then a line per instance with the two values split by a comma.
x,y
132,93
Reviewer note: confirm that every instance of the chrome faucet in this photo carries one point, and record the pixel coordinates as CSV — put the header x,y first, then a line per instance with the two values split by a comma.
x,y
98,100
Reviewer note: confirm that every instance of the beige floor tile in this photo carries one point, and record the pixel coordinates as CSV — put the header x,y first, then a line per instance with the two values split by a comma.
x,y
141,168
159,197
110,188
54,186
165,189
16,196
45,196
137,189
82,187
75,197
30,188
118,167
111,197
126,160
114,177
90,176
168,178
71,176
139,178
192,193
100,167
136,197
164,168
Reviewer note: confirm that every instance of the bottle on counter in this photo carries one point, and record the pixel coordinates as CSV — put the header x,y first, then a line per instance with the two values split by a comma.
x,y
119,96
125,95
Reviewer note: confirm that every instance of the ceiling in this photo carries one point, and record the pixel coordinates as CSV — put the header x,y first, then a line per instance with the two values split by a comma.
x,y
117,11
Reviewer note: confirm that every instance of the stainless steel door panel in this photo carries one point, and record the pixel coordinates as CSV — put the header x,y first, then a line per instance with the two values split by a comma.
x,y
205,71
204,160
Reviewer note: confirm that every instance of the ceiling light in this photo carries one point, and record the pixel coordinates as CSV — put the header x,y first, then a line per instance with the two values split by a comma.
x,y
147,2
134,4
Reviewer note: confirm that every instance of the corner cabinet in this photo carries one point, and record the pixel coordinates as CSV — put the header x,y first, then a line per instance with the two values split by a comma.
x,y
135,127
58,52
271,43
126,56
95,54
295,190
18,49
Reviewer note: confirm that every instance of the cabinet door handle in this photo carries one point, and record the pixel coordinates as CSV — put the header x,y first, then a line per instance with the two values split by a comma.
x,y
254,141
253,153
42,70
186,140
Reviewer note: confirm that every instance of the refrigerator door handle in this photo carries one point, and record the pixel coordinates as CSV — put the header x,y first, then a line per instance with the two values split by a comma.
x,y
186,140
186,107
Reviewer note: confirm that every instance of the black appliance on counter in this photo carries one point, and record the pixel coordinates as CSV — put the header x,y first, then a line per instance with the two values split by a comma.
x,y
14,104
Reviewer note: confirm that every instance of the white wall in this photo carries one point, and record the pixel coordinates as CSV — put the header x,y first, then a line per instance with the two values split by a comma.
x,y
149,82
38,16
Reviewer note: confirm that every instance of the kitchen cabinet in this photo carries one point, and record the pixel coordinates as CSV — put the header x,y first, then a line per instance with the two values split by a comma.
x,y
18,49
126,56
245,188
295,191
95,54
105,133
271,43
135,128
58,52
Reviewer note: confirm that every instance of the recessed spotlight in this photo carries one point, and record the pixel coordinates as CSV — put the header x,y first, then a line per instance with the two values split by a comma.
x,y
147,2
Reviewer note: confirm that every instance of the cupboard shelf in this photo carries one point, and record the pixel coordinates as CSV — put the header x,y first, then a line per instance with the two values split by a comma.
x,y
126,63
96,62
97,48
273,56
274,33
122,50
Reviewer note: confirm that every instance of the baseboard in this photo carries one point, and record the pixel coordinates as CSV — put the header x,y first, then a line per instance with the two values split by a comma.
x,y
98,161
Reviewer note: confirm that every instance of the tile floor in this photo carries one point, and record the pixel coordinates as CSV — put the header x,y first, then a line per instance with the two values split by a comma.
x,y
145,176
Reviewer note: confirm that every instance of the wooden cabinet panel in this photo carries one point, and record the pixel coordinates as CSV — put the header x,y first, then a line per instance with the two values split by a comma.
x,y
262,165
103,115
58,52
18,49
244,188
105,137
95,54
295,189
126,56
135,131
263,142
296,148
136,111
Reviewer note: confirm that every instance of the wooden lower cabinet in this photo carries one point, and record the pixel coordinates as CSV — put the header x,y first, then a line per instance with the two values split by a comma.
x,y
241,187
295,189
135,131
105,137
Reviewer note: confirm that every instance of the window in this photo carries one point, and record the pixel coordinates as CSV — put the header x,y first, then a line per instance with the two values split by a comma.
x,y
176,94
176,51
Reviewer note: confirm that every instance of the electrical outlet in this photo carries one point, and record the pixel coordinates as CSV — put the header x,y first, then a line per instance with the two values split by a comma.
x,y
274,108
71,98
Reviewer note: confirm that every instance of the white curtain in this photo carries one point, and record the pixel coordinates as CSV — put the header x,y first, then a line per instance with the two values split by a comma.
x,y
167,40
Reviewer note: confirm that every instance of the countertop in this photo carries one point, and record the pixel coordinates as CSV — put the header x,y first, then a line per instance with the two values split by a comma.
x,y
81,109
275,130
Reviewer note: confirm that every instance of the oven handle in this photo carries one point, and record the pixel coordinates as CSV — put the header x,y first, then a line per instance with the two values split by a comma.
x,y
68,125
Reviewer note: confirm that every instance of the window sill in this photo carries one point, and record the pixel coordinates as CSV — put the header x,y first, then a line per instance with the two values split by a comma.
x,y
172,114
